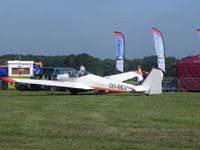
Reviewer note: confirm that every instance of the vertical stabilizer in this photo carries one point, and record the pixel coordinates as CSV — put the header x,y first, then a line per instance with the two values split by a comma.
x,y
153,82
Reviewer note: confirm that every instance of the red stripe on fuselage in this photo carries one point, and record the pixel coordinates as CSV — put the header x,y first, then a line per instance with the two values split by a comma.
x,y
113,90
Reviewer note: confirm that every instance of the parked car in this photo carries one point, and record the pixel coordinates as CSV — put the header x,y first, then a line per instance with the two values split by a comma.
x,y
47,73
25,86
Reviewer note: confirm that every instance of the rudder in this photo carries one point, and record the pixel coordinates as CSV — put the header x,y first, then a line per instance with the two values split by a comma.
x,y
153,82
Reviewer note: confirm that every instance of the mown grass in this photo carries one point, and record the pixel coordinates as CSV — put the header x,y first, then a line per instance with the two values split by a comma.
x,y
113,121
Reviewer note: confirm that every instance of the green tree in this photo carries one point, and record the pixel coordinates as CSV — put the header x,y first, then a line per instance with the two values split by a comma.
x,y
95,65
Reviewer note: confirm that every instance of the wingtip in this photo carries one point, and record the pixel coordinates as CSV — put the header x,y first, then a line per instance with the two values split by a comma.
x,y
7,79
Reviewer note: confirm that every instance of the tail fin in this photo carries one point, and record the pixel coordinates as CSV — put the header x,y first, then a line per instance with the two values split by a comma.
x,y
153,82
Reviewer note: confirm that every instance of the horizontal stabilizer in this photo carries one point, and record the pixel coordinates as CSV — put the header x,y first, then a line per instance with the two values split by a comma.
x,y
124,76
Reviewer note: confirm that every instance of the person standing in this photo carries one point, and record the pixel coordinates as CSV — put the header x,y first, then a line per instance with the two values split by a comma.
x,y
139,78
82,68
139,69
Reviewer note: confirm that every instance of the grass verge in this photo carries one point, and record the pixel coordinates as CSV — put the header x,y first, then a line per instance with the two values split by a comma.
x,y
44,120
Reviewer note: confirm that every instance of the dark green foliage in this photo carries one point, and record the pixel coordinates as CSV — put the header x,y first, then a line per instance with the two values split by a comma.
x,y
94,65
170,66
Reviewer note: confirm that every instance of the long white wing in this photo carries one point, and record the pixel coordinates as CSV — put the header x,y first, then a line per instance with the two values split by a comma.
x,y
57,83
124,76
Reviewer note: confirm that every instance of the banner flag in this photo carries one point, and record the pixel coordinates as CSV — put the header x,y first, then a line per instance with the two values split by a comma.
x,y
120,65
198,32
120,51
159,46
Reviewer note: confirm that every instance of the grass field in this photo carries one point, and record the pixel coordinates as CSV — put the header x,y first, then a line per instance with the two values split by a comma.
x,y
115,121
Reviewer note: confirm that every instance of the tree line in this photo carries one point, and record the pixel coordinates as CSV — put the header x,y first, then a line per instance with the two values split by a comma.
x,y
95,65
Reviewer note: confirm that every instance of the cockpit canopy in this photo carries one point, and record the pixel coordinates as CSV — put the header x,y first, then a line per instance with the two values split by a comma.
x,y
60,73
82,73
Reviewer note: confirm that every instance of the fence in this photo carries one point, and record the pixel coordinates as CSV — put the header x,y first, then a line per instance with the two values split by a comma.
x,y
189,84
181,85
170,85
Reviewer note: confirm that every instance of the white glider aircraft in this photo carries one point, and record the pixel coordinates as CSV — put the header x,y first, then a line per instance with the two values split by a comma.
x,y
85,81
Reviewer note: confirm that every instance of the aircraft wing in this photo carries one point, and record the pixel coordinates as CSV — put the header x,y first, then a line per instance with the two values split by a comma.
x,y
124,76
57,83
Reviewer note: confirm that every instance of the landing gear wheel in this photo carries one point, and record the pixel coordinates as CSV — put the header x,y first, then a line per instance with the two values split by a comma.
x,y
52,89
22,88
73,92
